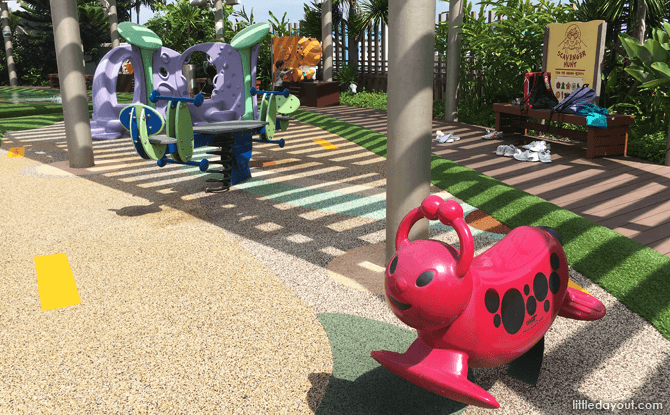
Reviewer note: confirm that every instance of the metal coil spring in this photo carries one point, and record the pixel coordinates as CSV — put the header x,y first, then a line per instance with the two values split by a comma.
x,y
226,162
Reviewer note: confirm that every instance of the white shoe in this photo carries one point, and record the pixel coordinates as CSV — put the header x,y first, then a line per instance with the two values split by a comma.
x,y
537,146
510,151
491,134
439,134
445,138
452,138
501,150
545,156
527,156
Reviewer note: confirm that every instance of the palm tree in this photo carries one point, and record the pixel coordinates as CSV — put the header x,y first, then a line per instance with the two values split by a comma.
x,y
310,25
376,11
188,15
151,3
360,16
637,15
640,12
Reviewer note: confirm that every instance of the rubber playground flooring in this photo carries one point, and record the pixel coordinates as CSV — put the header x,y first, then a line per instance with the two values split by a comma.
x,y
264,299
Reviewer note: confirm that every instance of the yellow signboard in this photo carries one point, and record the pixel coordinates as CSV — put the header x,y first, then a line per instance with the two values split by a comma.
x,y
574,55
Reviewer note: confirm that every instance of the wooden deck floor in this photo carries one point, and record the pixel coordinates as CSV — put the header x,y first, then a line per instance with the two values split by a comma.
x,y
626,194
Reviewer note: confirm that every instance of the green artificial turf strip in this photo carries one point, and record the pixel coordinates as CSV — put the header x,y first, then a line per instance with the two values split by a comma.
x,y
22,110
633,273
11,110
16,117
124,97
30,122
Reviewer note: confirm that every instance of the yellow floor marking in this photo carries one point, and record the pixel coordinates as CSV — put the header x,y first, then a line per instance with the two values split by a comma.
x,y
16,152
55,282
325,144
576,286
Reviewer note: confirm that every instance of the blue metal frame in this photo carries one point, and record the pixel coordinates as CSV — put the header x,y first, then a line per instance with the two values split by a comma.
x,y
285,93
236,148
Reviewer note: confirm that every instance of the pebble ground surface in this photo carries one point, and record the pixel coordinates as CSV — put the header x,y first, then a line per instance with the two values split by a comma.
x,y
266,299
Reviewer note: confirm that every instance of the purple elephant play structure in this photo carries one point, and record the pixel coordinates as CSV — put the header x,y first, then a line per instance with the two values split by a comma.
x,y
226,103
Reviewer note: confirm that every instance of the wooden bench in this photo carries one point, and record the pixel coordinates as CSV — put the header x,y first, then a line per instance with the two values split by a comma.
x,y
610,141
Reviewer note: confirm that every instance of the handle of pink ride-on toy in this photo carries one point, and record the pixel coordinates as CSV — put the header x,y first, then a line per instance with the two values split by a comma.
x,y
402,236
449,213
467,252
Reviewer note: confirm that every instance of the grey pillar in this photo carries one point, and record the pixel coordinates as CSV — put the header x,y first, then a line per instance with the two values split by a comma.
x,y
327,39
69,56
218,19
410,98
113,23
9,49
453,60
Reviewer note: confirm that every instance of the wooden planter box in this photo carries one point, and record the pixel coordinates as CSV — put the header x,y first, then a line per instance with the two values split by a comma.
x,y
316,93
125,83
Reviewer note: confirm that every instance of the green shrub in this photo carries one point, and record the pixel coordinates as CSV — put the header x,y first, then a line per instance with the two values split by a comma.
x,y
378,100
364,99
476,112
648,138
438,109
649,147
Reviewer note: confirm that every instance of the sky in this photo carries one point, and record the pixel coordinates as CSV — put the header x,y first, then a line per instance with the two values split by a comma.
x,y
293,8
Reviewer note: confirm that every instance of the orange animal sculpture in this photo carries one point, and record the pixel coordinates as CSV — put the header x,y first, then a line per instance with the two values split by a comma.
x,y
302,57
309,56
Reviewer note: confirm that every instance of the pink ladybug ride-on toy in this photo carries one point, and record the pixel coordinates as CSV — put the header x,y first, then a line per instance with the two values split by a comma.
x,y
480,312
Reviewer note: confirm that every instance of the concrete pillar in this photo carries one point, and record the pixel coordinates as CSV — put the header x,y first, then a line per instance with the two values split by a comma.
x,y
411,52
453,60
9,49
218,20
113,23
65,19
327,39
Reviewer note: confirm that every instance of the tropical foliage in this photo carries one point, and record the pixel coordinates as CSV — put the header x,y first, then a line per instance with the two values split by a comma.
x,y
649,66
495,56
181,25
33,41
346,76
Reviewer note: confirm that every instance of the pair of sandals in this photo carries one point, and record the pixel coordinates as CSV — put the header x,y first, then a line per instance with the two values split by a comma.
x,y
442,138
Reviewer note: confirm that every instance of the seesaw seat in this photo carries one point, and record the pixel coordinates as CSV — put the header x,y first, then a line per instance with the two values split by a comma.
x,y
162,140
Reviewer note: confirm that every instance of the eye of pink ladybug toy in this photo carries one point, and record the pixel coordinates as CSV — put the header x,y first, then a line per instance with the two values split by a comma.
x,y
482,311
